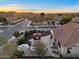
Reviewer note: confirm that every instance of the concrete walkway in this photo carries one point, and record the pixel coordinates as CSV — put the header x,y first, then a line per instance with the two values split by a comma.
x,y
49,43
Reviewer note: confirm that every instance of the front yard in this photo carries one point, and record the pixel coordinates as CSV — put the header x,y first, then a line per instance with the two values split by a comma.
x,y
41,47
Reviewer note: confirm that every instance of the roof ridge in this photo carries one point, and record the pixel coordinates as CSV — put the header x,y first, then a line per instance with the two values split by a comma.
x,y
71,34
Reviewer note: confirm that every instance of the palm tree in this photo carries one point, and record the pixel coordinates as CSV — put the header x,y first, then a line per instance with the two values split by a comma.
x,y
42,16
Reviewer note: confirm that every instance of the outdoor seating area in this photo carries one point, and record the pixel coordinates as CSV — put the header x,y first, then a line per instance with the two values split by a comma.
x,y
30,47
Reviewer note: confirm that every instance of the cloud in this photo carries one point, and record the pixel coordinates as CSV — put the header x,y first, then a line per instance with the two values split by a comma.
x,y
30,8
10,7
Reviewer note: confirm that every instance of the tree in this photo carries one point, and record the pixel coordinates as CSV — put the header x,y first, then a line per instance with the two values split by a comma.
x,y
39,48
25,39
59,14
42,16
4,20
65,20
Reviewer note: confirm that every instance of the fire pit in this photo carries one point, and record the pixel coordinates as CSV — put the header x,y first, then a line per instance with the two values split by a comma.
x,y
37,36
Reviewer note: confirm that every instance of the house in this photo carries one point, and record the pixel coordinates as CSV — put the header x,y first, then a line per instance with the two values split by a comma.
x,y
67,38
39,23
76,19
57,20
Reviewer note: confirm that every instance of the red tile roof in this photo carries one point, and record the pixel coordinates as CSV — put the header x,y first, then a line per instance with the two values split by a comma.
x,y
68,34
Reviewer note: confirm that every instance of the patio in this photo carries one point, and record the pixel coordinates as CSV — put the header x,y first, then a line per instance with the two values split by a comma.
x,y
49,43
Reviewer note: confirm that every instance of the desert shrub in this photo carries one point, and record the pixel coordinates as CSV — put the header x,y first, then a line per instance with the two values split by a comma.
x,y
9,49
2,40
39,48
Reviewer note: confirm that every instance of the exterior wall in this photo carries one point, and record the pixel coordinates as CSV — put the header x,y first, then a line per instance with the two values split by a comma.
x,y
74,52
74,49
63,50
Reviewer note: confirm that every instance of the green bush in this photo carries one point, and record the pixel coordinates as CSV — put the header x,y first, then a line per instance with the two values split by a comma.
x,y
27,35
22,41
25,38
65,20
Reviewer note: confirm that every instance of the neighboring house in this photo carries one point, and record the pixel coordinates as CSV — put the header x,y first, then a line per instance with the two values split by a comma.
x,y
10,20
57,20
45,22
1,23
67,38
39,23
75,19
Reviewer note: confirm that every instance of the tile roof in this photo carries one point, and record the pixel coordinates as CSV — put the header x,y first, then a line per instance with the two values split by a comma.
x,y
68,34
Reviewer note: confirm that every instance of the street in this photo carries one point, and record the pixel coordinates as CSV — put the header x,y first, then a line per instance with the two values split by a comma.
x,y
8,33
23,26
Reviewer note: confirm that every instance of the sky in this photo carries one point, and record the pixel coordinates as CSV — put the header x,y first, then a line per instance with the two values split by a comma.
x,y
40,5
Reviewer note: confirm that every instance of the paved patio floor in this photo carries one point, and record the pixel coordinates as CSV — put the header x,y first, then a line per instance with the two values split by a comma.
x,y
49,43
